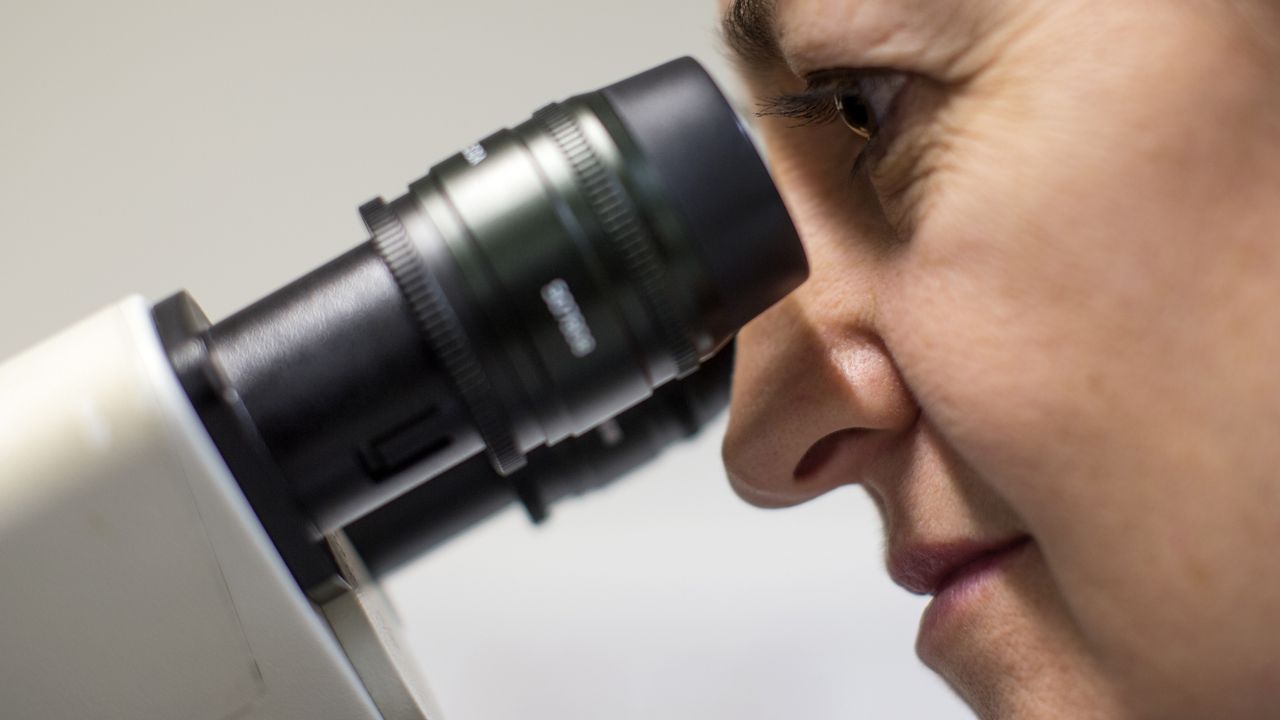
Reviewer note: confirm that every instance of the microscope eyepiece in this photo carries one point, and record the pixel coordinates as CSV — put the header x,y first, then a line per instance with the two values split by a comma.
x,y
525,291
712,177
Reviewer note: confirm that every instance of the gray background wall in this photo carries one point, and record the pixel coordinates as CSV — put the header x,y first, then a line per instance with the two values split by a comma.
x,y
223,148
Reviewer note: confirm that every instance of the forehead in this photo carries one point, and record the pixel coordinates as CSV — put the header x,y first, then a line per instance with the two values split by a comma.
x,y
812,34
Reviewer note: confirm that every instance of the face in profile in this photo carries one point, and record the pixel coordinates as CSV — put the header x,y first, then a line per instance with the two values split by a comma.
x,y
1040,331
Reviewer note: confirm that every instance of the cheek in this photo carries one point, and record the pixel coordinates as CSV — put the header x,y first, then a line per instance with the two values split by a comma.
x,y
1064,323
1029,331
1041,301
983,357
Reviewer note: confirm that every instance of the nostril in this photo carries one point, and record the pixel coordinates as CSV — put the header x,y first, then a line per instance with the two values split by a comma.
x,y
821,452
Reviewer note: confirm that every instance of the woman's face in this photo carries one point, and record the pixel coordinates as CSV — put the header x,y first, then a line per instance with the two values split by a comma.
x,y
1041,331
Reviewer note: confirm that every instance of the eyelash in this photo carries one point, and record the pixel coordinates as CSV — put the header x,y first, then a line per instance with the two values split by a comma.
x,y
811,107
840,94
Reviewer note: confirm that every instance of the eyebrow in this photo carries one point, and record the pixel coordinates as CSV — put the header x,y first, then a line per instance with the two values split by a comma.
x,y
751,33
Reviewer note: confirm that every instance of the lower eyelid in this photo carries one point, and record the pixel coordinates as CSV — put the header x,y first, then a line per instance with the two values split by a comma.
x,y
865,155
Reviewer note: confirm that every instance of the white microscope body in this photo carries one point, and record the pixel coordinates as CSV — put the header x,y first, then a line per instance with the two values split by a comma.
x,y
138,583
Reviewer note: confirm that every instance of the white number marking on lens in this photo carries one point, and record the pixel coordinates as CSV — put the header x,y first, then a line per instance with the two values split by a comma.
x,y
573,326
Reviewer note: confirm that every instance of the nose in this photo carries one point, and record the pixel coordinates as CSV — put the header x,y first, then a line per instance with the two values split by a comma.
x,y
818,401
815,406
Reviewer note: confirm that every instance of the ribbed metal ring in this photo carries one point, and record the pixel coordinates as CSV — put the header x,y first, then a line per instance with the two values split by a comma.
x,y
626,233
440,325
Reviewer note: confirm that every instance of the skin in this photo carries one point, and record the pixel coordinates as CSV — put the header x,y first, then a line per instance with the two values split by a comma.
x,y
1046,305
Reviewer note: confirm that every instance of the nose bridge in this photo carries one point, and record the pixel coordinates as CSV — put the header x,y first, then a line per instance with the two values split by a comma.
x,y
812,375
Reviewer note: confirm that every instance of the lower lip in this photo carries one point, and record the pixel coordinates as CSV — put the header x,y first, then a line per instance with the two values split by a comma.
x,y
965,589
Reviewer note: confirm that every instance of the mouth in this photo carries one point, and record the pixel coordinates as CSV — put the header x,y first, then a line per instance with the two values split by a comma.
x,y
930,569
954,574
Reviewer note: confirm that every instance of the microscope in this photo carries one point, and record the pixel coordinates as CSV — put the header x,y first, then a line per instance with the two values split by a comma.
x,y
194,515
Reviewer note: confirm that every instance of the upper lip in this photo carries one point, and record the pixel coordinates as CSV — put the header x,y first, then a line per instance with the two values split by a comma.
x,y
928,568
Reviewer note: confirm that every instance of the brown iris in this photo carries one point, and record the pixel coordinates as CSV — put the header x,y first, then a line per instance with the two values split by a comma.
x,y
856,114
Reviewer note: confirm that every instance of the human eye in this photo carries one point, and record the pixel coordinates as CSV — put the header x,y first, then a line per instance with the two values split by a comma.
x,y
864,100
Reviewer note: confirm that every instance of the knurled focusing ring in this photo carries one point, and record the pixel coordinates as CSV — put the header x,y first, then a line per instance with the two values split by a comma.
x,y
444,334
626,233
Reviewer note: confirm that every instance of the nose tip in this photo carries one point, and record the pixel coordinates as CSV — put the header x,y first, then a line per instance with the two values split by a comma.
x,y
767,478
815,406
757,493
748,464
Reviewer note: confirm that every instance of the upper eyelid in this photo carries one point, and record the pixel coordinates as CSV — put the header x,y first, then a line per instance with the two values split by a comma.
x,y
839,79
835,79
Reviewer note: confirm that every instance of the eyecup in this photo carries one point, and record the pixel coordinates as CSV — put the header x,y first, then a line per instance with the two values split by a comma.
x,y
678,118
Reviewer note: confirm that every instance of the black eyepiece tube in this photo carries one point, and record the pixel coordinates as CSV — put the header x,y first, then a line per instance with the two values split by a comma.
x,y
525,291
435,512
